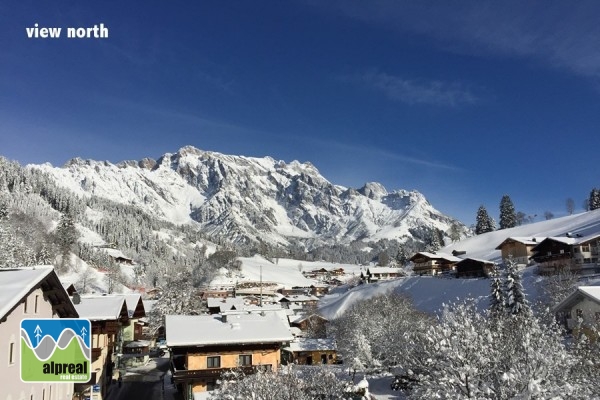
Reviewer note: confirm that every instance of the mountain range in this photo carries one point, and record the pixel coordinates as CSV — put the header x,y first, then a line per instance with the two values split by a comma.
x,y
248,199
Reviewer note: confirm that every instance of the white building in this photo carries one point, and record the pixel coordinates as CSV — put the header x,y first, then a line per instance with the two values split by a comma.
x,y
33,292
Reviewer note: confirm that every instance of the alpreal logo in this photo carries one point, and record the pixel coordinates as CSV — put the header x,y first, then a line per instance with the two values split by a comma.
x,y
55,350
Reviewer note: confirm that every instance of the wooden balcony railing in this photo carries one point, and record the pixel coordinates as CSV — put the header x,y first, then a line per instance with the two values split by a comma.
x,y
190,375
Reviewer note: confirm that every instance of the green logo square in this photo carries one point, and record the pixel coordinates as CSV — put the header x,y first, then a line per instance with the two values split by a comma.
x,y
56,350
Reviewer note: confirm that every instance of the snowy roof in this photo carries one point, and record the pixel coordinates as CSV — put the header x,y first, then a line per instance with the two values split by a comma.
x,y
307,316
582,292
574,240
226,303
477,259
301,298
305,344
526,240
204,330
100,308
16,283
384,270
114,253
132,302
436,256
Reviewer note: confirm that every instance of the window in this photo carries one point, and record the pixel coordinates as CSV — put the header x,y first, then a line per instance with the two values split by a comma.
x,y
35,306
11,353
579,313
585,247
213,362
245,359
25,306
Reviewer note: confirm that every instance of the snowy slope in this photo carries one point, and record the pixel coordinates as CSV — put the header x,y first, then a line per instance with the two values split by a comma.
x,y
483,246
247,199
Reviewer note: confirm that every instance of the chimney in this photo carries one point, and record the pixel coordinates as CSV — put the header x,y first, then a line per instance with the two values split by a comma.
x,y
76,298
223,317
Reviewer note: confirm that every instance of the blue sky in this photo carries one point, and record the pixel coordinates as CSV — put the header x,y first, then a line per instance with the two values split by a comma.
x,y
463,101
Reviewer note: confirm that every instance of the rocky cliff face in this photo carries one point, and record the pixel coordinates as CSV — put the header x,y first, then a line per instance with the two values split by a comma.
x,y
247,199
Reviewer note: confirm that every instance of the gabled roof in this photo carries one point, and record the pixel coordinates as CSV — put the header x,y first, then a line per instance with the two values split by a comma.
x,y
135,305
17,283
206,330
305,344
528,241
436,256
476,259
102,308
582,292
384,270
571,240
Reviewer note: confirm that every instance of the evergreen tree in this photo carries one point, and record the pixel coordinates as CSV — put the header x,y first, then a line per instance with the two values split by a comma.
x,y
483,223
497,296
594,201
508,215
513,289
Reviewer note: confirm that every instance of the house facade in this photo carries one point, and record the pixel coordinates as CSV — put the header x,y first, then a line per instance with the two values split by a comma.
x,y
108,315
34,292
520,248
580,308
577,254
203,347
305,351
427,263
375,274
474,268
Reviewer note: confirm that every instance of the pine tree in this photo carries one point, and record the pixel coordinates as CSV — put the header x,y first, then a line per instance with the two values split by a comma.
x,y
513,289
508,215
594,201
484,223
497,295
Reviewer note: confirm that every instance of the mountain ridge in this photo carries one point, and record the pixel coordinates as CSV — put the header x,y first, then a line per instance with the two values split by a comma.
x,y
251,199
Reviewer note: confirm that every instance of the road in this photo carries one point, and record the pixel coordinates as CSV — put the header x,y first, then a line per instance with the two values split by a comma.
x,y
144,383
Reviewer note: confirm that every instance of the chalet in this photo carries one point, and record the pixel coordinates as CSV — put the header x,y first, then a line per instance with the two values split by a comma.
x,y
520,248
337,272
118,256
222,293
305,351
474,268
154,293
319,289
136,311
294,291
584,304
304,301
375,274
426,263
219,305
576,253
204,346
33,292
108,315
311,323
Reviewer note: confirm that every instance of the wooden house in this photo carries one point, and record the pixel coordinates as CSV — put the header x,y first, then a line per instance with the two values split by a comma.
x,y
573,252
474,268
108,316
33,292
520,248
205,346
376,274
429,263
313,323
305,351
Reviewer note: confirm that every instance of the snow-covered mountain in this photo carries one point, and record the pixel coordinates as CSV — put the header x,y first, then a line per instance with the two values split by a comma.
x,y
248,199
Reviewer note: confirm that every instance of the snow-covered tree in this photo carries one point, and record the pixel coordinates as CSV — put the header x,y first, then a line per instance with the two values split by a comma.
x,y
497,295
316,383
483,222
594,200
508,216
513,289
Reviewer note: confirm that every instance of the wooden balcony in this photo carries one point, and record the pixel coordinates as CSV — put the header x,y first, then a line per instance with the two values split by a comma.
x,y
180,376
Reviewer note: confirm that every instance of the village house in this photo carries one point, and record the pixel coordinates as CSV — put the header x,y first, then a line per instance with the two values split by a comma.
x,y
108,316
376,274
33,292
433,263
319,289
584,304
312,323
474,268
303,301
305,351
576,253
519,248
118,256
204,346
219,305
